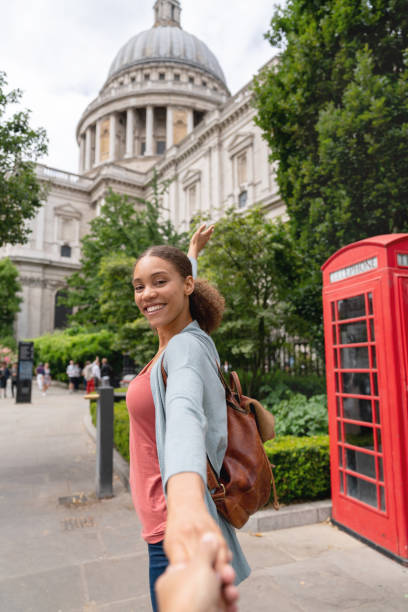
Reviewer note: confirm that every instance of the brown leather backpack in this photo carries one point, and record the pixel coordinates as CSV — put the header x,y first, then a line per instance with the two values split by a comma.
x,y
246,477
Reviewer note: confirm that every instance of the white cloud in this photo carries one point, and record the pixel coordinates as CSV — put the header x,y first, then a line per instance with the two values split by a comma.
x,y
59,52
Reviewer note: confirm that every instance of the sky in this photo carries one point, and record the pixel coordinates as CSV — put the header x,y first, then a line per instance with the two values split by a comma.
x,y
58,52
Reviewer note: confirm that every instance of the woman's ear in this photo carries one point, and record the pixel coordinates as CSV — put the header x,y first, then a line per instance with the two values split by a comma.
x,y
188,285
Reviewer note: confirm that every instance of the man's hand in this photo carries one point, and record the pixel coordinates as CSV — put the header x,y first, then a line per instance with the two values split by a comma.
x,y
196,586
200,239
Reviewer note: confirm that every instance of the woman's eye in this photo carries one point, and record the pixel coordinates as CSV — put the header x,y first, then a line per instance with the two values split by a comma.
x,y
138,288
160,282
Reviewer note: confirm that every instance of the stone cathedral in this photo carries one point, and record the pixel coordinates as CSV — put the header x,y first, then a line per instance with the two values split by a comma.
x,y
164,106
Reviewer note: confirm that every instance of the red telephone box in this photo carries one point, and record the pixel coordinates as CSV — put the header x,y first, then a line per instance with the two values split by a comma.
x,y
365,305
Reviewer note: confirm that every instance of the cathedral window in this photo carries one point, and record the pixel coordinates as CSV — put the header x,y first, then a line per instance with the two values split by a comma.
x,y
162,76
176,77
160,147
242,199
204,83
192,199
66,250
242,169
142,147
191,80
146,76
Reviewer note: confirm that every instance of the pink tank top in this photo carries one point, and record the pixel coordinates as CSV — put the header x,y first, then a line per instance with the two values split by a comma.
x,y
145,479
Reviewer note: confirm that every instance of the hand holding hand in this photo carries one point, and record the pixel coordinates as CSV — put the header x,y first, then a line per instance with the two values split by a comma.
x,y
200,239
196,586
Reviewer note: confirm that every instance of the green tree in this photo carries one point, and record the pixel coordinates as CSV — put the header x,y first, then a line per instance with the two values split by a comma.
x,y
21,194
101,290
10,299
252,262
334,110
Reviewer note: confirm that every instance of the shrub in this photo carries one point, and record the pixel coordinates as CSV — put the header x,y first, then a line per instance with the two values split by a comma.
x,y
302,471
77,344
120,427
299,416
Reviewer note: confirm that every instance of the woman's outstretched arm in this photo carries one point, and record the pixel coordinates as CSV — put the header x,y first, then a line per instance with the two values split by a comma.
x,y
199,239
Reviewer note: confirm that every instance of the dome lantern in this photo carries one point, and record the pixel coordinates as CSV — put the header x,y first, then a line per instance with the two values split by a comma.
x,y
167,13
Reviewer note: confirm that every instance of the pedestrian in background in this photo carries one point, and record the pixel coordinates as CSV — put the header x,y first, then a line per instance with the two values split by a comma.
x,y
96,373
88,378
4,376
77,376
106,372
14,373
71,375
40,377
47,377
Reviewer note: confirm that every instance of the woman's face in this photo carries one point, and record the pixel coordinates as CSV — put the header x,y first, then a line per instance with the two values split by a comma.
x,y
161,293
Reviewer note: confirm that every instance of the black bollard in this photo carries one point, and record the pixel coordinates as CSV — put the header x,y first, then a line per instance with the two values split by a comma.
x,y
104,443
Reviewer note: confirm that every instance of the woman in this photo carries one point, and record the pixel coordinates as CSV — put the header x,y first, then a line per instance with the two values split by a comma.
x,y
40,377
174,427
47,377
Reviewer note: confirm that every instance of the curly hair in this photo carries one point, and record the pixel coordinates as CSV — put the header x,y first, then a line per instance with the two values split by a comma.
x,y
206,303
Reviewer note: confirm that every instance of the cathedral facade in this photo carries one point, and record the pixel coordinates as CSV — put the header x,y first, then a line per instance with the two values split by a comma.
x,y
165,107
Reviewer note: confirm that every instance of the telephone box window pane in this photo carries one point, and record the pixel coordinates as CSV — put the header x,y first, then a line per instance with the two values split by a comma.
x,y
340,456
355,358
356,383
359,435
360,462
352,307
333,307
341,482
338,402
374,357
370,304
339,434
337,383
336,364
379,442
372,334
334,334
375,383
362,490
377,411
380,469
357,409
353,333
382,499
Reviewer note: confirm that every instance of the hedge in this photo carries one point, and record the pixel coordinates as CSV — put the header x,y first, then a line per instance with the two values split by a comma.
x,y
78,344
121,427
302,465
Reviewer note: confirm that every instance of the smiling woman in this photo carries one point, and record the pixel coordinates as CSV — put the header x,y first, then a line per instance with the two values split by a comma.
x,y
175,427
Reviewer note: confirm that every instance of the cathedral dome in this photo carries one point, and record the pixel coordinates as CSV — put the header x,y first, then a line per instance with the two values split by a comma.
x,y
166,43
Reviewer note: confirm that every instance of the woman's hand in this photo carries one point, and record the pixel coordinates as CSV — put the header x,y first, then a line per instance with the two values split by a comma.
x,y
187,521
199,240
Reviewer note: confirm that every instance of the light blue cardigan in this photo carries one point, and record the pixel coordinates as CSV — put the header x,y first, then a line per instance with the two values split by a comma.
x,y
191,419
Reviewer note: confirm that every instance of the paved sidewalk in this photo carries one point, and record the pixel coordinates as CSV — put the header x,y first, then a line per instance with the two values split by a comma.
x,y
90,557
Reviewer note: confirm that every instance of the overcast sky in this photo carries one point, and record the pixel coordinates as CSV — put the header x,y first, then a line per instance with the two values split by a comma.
x,y
59,52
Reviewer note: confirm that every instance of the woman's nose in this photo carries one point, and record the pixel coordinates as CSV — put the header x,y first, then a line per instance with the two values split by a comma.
x,y
150,291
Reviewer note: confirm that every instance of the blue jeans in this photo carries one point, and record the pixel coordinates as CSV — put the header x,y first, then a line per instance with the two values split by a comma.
x,y
157,566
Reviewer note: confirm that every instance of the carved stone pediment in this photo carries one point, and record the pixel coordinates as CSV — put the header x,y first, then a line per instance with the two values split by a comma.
x,y
240,142
67,211
190,177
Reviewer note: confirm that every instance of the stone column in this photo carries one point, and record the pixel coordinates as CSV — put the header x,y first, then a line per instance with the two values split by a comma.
x,y
149,130
81,153
98,142
169,127
130,132
112,137
88,145
190,121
